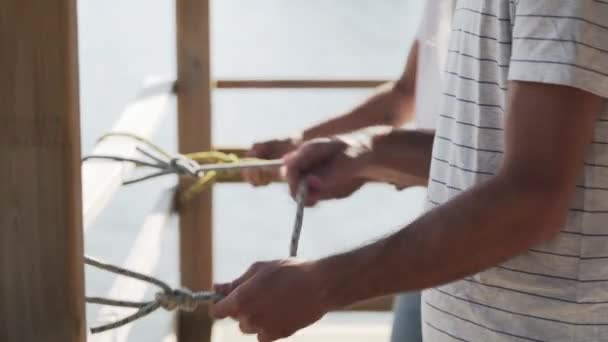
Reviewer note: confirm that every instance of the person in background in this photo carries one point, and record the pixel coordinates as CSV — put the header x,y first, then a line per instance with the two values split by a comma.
x,y
410,100
513,244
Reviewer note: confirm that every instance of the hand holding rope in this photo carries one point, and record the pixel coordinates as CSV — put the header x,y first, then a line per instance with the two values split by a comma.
x,y
181,299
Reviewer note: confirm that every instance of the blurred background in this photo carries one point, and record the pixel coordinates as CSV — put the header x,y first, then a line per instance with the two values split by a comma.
x,y
123,42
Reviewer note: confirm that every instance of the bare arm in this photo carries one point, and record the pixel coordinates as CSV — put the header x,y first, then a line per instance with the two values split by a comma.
x,y
548,128
405,159
399,157
393,105
521,206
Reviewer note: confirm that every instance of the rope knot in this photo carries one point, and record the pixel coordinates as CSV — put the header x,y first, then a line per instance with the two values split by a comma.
x,y
184,166
182,299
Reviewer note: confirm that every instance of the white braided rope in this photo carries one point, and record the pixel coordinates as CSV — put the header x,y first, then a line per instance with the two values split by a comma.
x,y
168,298
297,226
240,165
164,164
184,299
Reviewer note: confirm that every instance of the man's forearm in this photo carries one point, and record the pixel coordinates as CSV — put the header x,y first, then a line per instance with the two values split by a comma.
x,y
392,105
482,227
519,207
401,157
388,107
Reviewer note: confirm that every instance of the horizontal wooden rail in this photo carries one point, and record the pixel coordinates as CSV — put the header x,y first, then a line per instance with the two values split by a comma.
x,y
101,179
297,83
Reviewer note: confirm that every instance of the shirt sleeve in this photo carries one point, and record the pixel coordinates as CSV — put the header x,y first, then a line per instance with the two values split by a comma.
x,y
561,42
435,23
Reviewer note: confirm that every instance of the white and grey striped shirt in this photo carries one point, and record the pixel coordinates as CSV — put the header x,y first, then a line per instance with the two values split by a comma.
x,y
557,291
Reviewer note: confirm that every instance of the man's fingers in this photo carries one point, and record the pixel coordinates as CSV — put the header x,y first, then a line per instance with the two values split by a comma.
x,y
320,182
254,176
223,289
246,327
226,307
265,337
258,150
300,162
292,174
314,182
315,186
253,269
310,155
307,159
267,175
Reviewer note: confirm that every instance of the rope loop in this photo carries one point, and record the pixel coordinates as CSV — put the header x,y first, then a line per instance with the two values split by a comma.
x,y
184,166
203,167
181,299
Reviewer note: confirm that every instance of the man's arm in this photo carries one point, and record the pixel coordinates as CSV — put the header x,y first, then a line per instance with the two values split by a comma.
x,y
393,105
399,157
548,128
405,159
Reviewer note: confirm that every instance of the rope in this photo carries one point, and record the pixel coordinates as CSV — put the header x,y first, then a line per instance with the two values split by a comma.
x,y
167,298
297,226
204,167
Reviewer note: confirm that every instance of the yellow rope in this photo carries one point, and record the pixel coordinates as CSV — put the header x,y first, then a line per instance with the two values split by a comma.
x,y
202,158
210,157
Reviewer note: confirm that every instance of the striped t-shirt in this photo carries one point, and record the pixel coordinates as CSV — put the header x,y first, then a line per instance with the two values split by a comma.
x,y
557,291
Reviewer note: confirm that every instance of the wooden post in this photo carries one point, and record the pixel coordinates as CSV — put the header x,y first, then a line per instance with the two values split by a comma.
x,y
194,131
41,260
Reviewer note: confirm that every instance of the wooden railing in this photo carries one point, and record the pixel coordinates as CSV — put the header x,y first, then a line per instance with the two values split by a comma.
x,y
297,84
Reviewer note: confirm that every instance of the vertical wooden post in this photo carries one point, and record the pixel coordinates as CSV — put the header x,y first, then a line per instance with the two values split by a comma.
x,y
194,129
41,260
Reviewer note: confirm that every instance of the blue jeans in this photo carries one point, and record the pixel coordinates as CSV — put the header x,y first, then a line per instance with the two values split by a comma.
x,y
407,326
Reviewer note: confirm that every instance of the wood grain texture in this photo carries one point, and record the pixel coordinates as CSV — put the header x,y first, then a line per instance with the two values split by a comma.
x,y
41,249
194,131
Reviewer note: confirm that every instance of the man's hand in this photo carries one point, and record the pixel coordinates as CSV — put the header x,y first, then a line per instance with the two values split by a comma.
x,y
524,204
273,299
333,168
271,149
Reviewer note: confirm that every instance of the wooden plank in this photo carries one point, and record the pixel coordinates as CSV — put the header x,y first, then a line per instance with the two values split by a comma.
x,y
41,260
101,179
194,131
143,257
297,83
